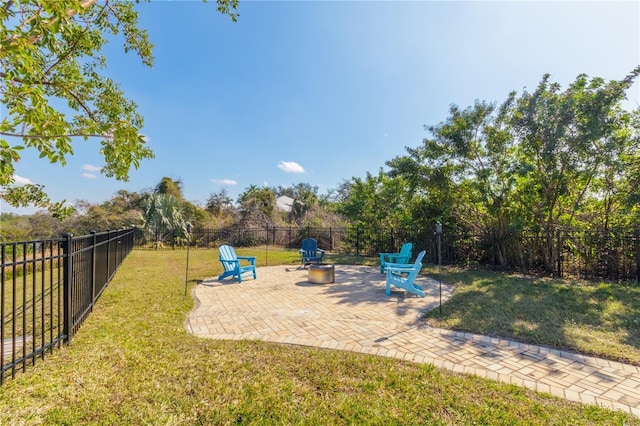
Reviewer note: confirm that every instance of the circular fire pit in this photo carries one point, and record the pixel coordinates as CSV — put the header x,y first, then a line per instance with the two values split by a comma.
x,y
321,274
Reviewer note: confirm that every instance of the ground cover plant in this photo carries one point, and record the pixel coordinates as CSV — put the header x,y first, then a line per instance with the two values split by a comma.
x,y
133,362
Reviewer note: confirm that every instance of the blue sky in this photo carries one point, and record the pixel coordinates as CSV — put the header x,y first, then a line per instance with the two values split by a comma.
x,y
320,92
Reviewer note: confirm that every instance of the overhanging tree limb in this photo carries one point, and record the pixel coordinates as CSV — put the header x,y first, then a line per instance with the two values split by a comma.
x,y
51,49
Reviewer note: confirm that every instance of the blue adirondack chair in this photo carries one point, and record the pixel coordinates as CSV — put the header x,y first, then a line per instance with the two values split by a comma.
x,y
402,257
232,266
310,252
404,275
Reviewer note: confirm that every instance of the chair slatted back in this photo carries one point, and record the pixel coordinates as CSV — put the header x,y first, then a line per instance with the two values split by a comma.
x,y
417,267
405,253
310,247
228,254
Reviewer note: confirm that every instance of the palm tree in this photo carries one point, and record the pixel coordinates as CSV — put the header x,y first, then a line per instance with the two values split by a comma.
x,y
163,217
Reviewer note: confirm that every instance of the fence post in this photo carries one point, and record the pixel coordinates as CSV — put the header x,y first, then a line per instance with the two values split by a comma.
x,y
119,249
266,246
493,247
108,268
393,242
358,241
558,252
67,280
330,239
93,269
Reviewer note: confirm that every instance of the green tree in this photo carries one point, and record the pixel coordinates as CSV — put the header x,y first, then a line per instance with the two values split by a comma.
x,y
467,162
191,212
258,206
125,201
465,175
40,225
53,89
43,225
194,213
170,187
163,217
219,203
573,144
376,202
576,147
123,210
537,162
305,198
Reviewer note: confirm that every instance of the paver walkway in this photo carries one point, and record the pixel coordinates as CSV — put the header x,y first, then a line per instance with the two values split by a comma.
x,y
354,314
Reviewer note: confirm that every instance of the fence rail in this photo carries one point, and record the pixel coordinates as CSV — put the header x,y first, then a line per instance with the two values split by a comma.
x,y
606,254
47,289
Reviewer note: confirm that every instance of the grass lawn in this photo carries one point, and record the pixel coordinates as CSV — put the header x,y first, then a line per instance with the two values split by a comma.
x,y
133,362
595,318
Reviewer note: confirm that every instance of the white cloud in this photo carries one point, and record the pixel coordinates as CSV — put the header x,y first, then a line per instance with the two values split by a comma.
x,y
19,180
89,175
291,167
90,168
224,181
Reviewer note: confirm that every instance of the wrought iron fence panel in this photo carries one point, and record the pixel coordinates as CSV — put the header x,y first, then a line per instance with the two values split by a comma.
x,y
600,254
612,254
30,302
47,289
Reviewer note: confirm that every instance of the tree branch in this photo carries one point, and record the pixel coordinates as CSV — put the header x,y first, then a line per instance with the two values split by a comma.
x,y
128,35
84,5
73,47
51,83
67,135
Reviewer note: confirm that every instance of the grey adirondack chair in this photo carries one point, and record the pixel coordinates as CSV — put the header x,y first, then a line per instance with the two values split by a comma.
x,y
232,266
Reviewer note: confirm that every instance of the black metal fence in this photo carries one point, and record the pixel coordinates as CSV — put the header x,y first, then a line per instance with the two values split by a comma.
x,y
610,254
604,254
47,289
332,239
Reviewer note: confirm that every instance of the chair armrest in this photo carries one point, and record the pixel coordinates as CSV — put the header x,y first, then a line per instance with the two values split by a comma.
x,y
321,251
387,257
403,269
404,266
382,255
395,256
251,259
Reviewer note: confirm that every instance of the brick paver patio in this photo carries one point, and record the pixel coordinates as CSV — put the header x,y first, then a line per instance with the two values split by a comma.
x,y
354,314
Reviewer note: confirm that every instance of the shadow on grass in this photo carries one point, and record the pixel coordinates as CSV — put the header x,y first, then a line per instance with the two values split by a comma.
x,y
590,317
